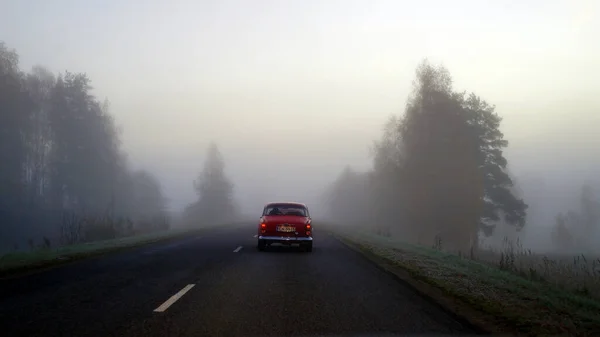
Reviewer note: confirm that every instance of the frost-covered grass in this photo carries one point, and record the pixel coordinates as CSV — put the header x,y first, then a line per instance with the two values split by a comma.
x,y
527,292
576,273
39,258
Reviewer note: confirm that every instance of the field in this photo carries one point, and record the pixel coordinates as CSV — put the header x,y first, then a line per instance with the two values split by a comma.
x,y
509,291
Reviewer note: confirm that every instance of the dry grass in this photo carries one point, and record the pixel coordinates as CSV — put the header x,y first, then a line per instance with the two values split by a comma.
x,y
579,274
533,294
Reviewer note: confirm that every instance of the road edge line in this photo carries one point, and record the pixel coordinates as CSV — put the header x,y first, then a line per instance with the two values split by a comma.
x,y
457,309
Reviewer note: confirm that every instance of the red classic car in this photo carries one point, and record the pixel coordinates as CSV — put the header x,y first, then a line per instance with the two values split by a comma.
x,y
285,223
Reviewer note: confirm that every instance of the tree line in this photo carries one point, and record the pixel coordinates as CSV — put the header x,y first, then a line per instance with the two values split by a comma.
x,y
64,177
439,175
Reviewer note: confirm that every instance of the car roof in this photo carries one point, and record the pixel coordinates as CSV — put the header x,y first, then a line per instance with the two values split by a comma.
x,y
291,203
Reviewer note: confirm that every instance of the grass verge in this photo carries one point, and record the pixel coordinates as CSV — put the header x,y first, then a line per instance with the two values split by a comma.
x,y
495,300
18,263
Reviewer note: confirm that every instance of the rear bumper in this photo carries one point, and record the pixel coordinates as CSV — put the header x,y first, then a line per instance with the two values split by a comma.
x,y
285,239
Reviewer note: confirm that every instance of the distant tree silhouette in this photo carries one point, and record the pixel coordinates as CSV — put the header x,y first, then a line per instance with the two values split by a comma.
x,y
149,203
348,197
579,228
215,192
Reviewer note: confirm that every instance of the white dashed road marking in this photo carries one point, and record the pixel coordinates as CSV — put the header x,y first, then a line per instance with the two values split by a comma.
x,y
237,249
174,298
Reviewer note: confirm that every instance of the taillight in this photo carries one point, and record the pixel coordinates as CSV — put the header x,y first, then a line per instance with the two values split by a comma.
x,y
307,229
263,227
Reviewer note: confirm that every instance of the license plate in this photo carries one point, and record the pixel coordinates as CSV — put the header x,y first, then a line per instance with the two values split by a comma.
x,y
286,228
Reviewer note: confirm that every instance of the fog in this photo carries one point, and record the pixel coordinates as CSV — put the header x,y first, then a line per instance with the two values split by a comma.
x,y
294,91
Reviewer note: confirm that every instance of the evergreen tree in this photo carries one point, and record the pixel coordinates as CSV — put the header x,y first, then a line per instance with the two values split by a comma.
x,y
499,195
215,192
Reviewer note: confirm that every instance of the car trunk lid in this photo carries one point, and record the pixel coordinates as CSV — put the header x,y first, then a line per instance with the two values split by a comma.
x,y
285,225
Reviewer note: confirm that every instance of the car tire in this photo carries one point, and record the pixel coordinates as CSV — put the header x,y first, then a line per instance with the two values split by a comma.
x,y
261,245
308,247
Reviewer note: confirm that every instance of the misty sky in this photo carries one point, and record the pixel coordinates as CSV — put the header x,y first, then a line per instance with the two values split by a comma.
x,y
292,91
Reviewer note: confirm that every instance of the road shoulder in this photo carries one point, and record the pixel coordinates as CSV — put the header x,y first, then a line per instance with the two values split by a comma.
x,y
14,265
460,311
496,299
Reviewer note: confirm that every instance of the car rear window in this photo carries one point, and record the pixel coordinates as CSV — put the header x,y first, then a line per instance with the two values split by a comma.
x,y
285,209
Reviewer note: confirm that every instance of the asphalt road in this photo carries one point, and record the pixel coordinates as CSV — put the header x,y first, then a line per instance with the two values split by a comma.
x,y
222,286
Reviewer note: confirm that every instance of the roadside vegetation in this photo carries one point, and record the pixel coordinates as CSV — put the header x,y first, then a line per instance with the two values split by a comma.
x,y
513,291
441,204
